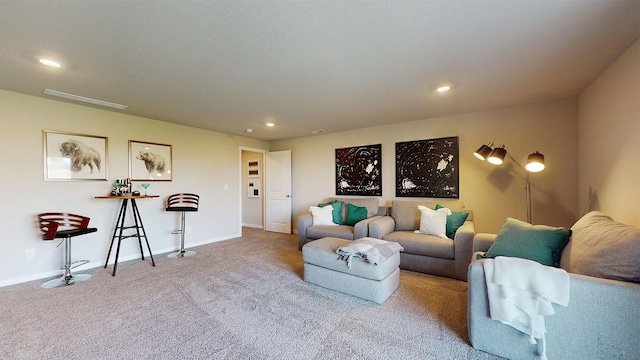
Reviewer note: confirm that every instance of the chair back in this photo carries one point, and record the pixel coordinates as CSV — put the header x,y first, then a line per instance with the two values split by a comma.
x,y
51,223
183,202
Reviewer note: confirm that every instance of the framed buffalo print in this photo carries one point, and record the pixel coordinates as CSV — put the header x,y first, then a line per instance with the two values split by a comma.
x,y
149,161
73,156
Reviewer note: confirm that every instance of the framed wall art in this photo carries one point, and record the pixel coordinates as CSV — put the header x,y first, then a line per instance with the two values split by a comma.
x,y
150,161
359,170
253,188
73,156
253,168
428,168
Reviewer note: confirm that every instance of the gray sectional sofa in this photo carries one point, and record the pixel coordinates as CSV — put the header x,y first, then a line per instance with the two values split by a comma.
x,y
602,320
307,231
427,253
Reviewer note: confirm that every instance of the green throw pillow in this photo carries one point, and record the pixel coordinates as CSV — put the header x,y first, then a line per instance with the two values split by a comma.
x,y
337,210
355,214
454,221
539,243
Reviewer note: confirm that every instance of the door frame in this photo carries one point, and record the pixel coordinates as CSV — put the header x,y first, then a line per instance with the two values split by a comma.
x,y
241,184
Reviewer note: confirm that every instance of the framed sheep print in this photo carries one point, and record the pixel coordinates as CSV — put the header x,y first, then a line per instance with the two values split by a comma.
x,y
149,161
73,156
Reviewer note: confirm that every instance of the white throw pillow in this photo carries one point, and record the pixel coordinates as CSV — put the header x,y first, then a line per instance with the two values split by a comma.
x,y
322,215
433,222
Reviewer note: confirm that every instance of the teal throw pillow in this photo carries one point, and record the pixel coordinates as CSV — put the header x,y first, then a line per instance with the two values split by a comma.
x,y
337,210
355,214
454,221
520,239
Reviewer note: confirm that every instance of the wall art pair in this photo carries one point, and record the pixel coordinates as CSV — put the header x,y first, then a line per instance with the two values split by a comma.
x,y
424,168
74,156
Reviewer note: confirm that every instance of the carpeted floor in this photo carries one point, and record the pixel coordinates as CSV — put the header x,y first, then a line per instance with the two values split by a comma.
x,y
236,299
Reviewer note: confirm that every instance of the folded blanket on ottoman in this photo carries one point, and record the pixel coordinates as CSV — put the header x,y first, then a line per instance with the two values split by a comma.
x,y
373,251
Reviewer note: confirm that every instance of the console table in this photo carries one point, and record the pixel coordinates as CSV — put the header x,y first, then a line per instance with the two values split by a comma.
x,y
120,227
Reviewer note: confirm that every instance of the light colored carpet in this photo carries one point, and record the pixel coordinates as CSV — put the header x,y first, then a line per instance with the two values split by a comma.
x,y
236,299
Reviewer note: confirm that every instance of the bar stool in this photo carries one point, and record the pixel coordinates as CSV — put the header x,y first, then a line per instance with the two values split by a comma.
x,y
182,202
65,226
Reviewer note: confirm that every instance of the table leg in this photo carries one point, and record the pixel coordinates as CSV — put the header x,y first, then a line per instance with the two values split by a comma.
x,y
138,219
121,215
120,237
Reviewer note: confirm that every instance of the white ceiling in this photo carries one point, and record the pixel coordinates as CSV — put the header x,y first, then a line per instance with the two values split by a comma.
x,y
309,65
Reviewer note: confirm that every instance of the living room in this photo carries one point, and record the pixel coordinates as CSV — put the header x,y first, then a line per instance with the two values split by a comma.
x,y
590,142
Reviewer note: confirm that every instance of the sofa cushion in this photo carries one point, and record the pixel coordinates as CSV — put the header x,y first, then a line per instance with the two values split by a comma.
x,y
454,221
355,214
321,231
433,222
337,210
539,243
604,248
422,244
406,215
322,215
370,203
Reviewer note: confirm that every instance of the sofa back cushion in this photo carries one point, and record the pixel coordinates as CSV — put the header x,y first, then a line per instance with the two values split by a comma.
x,y
406,215
604,248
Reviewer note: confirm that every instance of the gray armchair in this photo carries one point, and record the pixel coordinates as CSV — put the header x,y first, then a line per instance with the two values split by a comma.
x,y
308,232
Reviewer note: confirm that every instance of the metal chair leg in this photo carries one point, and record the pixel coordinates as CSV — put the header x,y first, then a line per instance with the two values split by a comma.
x,y
182,252
67,278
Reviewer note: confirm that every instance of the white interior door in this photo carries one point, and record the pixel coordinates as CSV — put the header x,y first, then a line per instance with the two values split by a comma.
x,y
278,191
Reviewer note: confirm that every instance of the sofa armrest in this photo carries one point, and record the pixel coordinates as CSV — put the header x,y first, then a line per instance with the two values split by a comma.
x,y
382,226
463,248
304,221
361,228
483,241
600,321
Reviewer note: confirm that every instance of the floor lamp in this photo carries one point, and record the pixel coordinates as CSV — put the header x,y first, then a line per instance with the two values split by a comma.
x,y
496,155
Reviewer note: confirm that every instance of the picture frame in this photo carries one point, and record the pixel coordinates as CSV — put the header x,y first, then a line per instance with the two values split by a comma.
x,y
253,168
70,156
428,168
359,170
150,161
253,188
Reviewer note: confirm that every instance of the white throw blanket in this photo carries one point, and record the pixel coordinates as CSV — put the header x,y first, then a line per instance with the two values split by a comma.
x,y
374,251
521,293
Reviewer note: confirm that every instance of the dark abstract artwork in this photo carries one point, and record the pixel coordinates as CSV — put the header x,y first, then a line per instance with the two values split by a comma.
x,y
427,168
359,170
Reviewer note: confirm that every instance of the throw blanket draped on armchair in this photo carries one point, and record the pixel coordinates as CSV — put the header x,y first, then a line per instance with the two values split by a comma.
x,y
522,291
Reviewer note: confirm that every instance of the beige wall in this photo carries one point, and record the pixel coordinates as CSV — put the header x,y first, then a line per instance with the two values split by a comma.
x,y
203,162
609,136
494,193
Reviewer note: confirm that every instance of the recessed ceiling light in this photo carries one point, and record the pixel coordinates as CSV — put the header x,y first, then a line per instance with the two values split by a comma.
x,y
49,62
270,124
443,89
318,131
249,130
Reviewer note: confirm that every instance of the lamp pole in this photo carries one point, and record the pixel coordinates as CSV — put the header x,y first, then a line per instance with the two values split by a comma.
x,y
527,187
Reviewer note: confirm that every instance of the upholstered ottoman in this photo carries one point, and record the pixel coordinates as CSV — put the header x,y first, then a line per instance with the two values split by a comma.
x,y
323,267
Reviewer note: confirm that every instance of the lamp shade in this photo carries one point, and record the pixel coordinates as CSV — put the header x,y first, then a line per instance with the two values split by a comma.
x,y
535,162
497,155
483,151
